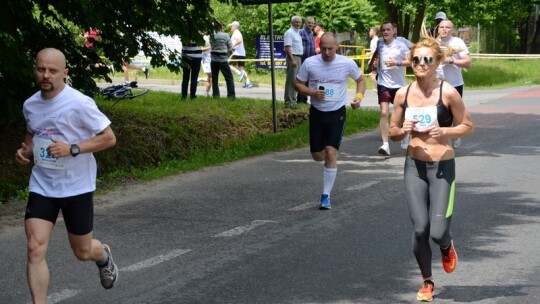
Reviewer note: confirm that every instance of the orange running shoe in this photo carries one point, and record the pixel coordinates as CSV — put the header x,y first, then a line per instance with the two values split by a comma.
x,y
449,258
425,294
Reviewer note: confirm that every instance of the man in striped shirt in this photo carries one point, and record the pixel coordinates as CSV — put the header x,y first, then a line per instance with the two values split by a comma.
x,y
191,65
221,45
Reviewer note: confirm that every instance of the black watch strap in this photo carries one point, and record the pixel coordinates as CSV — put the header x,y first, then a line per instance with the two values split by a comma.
x,y
75,150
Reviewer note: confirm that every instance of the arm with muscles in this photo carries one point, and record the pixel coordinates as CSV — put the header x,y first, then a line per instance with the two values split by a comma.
x,y
360,91
399,126
464,61
24,153
290,56
103,140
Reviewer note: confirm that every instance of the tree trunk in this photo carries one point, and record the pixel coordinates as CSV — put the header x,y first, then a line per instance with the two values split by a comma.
x,y
535,46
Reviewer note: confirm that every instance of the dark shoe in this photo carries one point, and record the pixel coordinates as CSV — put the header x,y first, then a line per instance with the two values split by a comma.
x,y
108,274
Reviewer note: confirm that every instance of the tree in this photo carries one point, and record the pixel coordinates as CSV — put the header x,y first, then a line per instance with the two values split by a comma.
x,y
26,26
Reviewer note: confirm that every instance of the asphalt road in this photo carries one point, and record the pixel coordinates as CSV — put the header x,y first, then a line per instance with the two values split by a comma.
x,y
250,231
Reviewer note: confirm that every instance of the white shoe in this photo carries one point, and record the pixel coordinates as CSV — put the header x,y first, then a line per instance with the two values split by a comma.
x,y
384,150
456,142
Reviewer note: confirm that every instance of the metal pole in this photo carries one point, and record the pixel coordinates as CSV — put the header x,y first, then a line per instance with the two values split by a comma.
x,y
272,65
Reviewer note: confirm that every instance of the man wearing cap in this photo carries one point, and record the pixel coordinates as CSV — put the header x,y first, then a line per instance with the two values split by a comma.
x,y
294,50
440,16
239,53
308,42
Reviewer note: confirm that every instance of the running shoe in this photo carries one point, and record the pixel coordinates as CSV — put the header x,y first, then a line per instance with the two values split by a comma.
x,y
146,71
449,258
108,274
456,142
240,76
325,202
247,85
425,294
384,150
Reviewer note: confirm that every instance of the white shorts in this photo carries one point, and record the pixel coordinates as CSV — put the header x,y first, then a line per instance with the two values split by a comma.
x,y
206,67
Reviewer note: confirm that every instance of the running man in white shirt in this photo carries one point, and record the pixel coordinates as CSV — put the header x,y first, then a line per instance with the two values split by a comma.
x,y
391,76
63,177
239,53
457,58
327,75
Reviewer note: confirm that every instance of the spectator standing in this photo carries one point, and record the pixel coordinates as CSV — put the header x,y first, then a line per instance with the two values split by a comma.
x,y
221,45
206,64
390,76
63,177
308,43
294,50
319,31
192,55
239,53
326,76
429,172
91,37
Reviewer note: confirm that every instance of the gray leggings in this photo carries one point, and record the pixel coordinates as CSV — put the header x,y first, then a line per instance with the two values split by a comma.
x,y
429,188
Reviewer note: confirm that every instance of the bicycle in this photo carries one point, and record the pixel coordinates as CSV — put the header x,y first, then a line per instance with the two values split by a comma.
x,y
123,91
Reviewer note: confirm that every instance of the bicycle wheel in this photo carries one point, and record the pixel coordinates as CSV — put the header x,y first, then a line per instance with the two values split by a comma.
x,y
122,93
136,92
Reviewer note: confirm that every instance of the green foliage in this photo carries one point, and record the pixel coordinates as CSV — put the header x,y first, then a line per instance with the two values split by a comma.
x,y
27,26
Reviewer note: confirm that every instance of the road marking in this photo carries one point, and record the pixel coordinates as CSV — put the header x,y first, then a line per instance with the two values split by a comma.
x,y
242,229
156,260
304,206
362,186
65,294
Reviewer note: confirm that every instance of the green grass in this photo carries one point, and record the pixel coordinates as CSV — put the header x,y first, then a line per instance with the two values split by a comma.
x,y
499,73
158,135
173,136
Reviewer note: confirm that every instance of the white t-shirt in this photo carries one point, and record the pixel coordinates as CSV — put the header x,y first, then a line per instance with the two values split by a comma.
x,y
293,39
206,54
392,76
373,44
239,50
70,117
451,72
333,76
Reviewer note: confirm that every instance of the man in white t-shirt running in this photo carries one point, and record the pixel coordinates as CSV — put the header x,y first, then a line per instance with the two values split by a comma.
x,y
326,76
239,53
457,58
391,63
63,177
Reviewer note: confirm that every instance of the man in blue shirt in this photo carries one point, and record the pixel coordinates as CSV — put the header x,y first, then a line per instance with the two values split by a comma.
x,y
308,41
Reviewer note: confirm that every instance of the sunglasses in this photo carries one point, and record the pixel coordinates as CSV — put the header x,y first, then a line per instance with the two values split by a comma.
x,y
418,59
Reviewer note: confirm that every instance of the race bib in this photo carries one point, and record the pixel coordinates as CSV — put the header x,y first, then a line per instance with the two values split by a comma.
x,y
332,91
44,160
426,116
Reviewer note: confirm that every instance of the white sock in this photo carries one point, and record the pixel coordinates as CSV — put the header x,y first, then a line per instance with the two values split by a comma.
x,y
329,177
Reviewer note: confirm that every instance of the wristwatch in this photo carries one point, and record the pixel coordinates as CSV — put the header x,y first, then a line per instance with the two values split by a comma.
x,y
451,61
75,150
